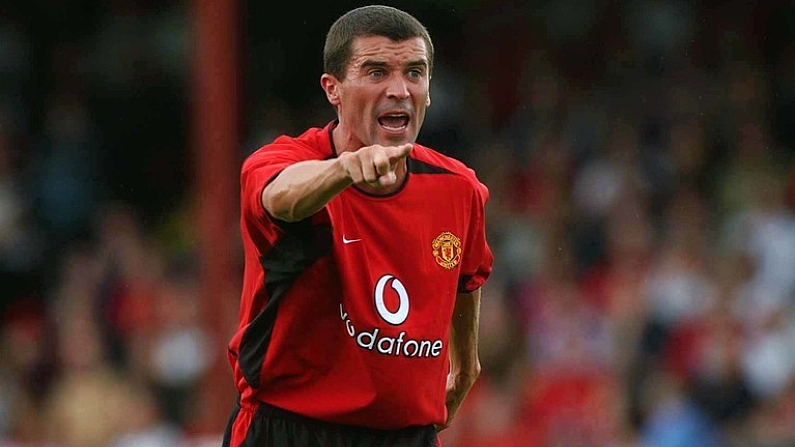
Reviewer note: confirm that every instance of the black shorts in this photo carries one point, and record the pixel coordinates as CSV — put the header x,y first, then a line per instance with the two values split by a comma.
x,y
269,426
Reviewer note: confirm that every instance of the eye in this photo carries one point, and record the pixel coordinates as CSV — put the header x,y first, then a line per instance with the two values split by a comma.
x,y
376,73
416,72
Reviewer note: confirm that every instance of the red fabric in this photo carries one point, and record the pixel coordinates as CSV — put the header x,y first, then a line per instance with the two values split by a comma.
x,y
332,355
241,424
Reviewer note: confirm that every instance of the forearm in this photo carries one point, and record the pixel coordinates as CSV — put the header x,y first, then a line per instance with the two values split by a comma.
x,y
304,188
464,360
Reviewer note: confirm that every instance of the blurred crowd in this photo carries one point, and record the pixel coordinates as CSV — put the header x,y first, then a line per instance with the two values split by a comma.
x,y
641,162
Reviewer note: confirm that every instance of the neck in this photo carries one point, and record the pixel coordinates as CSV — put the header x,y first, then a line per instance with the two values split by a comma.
x,y
344,141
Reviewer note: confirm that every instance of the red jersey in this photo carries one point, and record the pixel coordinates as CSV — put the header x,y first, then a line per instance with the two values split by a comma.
x,y
345,316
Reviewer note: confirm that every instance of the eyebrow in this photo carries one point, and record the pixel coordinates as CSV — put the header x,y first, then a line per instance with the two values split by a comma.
x,y
372,63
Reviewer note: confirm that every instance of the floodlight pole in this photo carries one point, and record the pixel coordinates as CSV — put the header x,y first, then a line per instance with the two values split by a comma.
x,y
215,143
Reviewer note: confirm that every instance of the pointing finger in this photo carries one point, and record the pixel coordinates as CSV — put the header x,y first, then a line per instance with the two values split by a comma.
x,y
397,152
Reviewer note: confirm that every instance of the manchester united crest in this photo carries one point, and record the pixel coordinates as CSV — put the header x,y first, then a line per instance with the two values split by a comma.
x,y
447,250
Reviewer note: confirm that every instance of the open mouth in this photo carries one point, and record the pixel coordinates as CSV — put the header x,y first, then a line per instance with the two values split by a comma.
x,y
394,121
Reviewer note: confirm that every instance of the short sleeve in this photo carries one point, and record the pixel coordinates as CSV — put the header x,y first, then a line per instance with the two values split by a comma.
x,y
258,170
477,258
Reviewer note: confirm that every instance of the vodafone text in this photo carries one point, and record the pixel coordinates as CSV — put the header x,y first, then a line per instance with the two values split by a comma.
x,y
397,346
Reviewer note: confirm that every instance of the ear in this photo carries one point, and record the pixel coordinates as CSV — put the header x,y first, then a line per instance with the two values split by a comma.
x,y
330,85
428,100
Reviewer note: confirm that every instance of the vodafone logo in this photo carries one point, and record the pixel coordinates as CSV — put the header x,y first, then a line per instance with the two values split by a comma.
x,y
399,316
384,340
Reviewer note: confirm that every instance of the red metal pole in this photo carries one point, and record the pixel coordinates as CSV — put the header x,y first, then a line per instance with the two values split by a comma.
x,y
215,134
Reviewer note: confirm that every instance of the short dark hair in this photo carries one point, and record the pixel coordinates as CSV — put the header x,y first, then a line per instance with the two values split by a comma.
x,y
373,20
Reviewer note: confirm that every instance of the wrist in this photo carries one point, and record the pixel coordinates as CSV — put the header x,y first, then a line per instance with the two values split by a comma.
x,y
342,171
468,373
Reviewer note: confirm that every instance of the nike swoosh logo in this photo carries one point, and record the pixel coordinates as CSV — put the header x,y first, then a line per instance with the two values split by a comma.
x,y
348,241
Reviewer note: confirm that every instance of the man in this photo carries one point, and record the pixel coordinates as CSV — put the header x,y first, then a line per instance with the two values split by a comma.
x,y
365,254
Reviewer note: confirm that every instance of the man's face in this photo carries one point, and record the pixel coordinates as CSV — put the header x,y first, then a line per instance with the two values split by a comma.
x,y
385,92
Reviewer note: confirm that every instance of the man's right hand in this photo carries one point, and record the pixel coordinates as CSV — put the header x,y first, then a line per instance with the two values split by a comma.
x,y
375,165
302,189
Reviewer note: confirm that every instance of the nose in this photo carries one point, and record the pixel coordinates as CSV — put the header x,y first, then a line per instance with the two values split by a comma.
x,y
398,88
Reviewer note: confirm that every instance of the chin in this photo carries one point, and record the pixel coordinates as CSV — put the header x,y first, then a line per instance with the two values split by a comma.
x,y
394,139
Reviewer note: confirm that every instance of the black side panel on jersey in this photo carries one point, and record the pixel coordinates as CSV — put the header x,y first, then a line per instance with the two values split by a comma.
x,y
420,167
301,245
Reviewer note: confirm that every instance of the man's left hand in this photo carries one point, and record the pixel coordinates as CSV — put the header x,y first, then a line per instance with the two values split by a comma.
x,y
458,385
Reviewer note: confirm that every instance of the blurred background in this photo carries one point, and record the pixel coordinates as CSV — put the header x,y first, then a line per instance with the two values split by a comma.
x,y
640,156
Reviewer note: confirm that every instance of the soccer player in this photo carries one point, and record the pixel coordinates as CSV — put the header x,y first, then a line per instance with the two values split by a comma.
x,y
364,257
